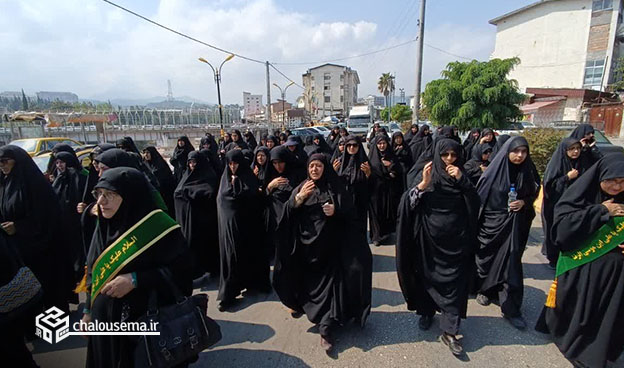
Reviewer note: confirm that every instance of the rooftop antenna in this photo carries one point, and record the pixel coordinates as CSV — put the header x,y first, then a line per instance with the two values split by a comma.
x,y
169,91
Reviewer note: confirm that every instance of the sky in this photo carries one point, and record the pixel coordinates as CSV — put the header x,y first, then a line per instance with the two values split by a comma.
x,y
100,52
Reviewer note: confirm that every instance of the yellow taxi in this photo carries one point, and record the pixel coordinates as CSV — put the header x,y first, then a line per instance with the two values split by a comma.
x,y
43,158
36,145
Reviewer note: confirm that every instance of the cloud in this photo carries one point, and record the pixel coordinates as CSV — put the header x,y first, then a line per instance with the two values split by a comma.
x,y
98,51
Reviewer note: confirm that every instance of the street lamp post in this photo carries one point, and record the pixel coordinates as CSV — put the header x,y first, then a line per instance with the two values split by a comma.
x,y
283,91
217,77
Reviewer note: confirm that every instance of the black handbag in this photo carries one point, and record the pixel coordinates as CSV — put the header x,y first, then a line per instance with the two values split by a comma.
x,y
185,330
22,297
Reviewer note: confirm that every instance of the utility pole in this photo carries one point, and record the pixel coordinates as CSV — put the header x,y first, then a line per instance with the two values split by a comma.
x,y
419,60
267,113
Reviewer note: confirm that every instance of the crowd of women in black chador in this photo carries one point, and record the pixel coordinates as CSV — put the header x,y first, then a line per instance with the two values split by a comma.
x,y
307,208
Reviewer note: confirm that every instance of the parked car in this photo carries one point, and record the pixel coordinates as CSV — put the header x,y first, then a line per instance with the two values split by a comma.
x,y
36,145
311,131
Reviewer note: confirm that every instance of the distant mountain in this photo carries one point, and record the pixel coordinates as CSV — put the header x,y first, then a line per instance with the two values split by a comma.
x,y
155,100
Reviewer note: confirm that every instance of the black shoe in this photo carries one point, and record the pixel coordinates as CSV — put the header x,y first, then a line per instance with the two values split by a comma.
x,y
518,322
552,266
453,344
483,300
295,314
425,322
224,305
376,243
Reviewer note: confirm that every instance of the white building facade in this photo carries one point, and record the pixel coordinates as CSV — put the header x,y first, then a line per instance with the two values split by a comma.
x,y
562,43
330,90
252,104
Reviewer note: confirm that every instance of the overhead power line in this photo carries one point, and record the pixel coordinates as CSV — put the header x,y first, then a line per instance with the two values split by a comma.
x,y
182,34
448,53
285,76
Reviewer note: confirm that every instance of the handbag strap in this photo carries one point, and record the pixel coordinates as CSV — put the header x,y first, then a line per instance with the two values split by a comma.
x,y
152,303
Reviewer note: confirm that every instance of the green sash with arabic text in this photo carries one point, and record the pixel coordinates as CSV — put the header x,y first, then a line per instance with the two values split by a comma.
x,y
609,236
145,233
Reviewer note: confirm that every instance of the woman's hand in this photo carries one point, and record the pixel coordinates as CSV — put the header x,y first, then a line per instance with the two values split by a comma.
x,y
386,163
118,287
483,167
256,170
9,227
516,205
573,174
328,209
615,209
306,190
233,179
336,165
81,207
453,171
426,176
365,167
276,183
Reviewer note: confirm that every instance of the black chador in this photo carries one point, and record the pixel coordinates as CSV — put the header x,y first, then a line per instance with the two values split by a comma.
x,y
354,175
196,211
179,157
244,264
436,241
323,267
478,162
385,189
161,170
565,166
584,307
503,232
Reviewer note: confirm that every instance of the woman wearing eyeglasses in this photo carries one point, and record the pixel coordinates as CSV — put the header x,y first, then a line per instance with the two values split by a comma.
x,y
386,185
30,219
133,243
564,168
504,225
436,241
355,173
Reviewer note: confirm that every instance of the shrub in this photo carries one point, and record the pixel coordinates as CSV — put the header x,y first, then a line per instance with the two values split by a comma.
x,y
542,143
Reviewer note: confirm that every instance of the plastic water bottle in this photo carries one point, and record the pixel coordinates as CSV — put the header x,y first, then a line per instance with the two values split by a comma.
x,y
511,196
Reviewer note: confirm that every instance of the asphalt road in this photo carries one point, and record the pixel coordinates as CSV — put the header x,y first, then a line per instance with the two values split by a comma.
x,y
260,332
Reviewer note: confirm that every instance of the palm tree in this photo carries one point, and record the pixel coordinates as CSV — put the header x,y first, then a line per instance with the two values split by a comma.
x,y
385,85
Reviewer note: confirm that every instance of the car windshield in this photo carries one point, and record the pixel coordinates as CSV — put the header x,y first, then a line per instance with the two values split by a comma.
x,y
41,162
28,145
600,138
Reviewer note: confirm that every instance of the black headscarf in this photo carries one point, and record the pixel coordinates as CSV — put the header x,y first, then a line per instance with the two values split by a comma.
x,y
116,157
440,179
210,141
375,156
350,169
240,143
501,173
250,140
560,164
157,163
199,182
470,140
127,144
263,170
499,143
409,135
580,131
274,140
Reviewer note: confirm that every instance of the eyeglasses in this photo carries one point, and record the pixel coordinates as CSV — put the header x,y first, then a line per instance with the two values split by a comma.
x,y
352,145
108,196
448,154
4,160
574,148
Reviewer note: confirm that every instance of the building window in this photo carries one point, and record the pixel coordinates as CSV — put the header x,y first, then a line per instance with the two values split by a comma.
x,y
326,88
598,5
327,99
341,98
312,77
593,73
341,77
327,76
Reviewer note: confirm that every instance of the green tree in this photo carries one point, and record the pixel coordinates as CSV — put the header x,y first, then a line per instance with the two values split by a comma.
x,y
618,74
475,94
385,85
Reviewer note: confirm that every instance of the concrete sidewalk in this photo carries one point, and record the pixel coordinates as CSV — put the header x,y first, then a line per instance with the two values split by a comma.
x,y
260,332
